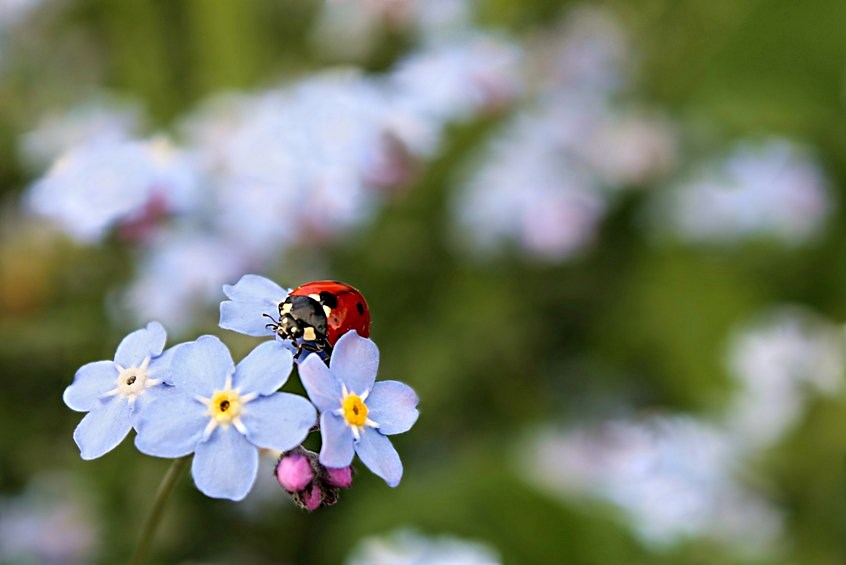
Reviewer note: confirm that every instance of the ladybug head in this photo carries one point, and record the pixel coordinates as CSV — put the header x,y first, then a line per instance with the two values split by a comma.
x,y
300,317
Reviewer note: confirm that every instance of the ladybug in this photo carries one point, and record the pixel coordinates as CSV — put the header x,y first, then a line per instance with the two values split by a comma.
x,y
315,315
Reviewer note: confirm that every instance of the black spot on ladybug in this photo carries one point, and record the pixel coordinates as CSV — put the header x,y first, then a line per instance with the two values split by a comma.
x,y
360,307
328,299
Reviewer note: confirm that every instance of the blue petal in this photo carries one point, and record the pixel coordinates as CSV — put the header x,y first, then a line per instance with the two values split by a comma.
x,y
265,369
251,298
280,421
322,387
226,465
255,288
355,361
146,342
90,383
392,405
336,435
147,397
170,426
376,451
247,317
160,366
103,428
200,368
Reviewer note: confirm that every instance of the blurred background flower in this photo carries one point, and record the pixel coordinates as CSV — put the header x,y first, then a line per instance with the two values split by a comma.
x,y
409,547
601,241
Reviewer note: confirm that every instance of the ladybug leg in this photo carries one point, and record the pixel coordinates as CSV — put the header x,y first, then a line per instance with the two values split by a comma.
x,y
318,348
310,347
303,346
299,351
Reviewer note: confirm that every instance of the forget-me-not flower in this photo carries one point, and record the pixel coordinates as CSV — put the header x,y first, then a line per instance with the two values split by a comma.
x,y
250,299
357,413
97,186
114,393
224,414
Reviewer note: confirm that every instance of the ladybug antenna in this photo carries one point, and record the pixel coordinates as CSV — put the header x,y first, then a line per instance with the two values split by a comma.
x,y
274,323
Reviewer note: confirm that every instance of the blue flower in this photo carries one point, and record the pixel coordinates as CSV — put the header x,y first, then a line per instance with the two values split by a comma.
x,y
99,185
115,393
224,414
356,414
250,299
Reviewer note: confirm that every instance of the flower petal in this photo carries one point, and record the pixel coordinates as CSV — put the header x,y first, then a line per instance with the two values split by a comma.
x,y
247,317
392,405
146,342
160,366
337,449
226,465
355,361
200,367
145,399
376,451
103,428
251,298
90,383
255,288
170,426
322,387
265,369
280,421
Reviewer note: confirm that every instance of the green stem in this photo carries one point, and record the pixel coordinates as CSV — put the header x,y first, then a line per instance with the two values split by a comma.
x,y
154,517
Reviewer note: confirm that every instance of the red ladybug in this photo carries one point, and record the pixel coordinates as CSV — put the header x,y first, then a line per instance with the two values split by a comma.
x,y
315,315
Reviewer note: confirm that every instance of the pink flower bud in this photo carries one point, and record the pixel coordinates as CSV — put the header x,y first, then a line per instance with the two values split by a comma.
x,y
341,478
312,498
294,472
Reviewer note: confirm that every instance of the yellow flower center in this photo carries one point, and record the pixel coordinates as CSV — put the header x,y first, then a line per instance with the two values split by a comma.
x,y
225,406
355,412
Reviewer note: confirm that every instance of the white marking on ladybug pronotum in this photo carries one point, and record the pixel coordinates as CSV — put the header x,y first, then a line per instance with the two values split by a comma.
x,y
286,308
327,310
315,297
309,334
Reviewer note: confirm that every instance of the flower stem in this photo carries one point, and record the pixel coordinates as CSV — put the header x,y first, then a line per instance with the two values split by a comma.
x,y
154,517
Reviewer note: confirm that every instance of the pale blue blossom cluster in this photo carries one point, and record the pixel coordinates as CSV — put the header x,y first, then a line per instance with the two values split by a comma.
x,y
247,176
410,547
559,164
673,476
781,359
215,196
94,187
770,189
193,399
554,169
678,476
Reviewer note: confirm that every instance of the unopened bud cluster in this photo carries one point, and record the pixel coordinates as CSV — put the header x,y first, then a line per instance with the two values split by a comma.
x,y
309,483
